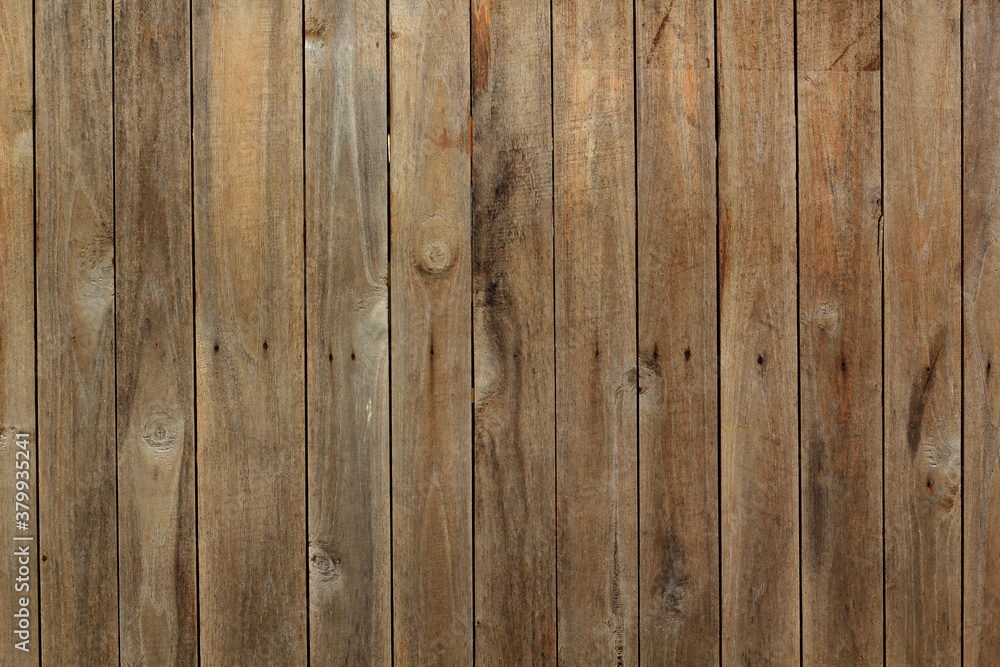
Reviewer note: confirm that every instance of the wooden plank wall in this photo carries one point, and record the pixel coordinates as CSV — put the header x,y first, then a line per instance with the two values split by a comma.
x,y
426,332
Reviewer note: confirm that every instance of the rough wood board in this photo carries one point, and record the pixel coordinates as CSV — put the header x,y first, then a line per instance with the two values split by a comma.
x,y
157,575
431,301
250,343
513,320
759,442
76,333
347,332
982,331
840,329
922,171
678,356
17,327
596,374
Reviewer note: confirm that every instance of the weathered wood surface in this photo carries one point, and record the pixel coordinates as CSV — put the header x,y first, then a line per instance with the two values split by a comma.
x,y
840,330
18,435
513,332
981,425
923,340
157,603
595,327
76,333
758,365
250,343
663,338
678,354
430,209
347,333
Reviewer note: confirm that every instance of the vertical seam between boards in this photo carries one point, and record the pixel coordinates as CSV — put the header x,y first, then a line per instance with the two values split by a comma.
x,y
194,330
882,254
635,267
114,266
798,310
718,316
961,204
305,327
388,281
472,334
555,323
34,254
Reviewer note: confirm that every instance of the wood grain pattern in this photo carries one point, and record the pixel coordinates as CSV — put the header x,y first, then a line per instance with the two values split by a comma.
x,y
840,330
249,331
158,604
596,373
981,419
513,320
922,171
18,435
758,365
431,332
76,332
678,356
347,240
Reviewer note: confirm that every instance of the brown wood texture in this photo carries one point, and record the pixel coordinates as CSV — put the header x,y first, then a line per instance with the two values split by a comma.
x,y
157,602
347,333
513,333
431,339
981,418
595,327
922,171
75,294
250,342
422,332
678,354
758,365
840,330
18,435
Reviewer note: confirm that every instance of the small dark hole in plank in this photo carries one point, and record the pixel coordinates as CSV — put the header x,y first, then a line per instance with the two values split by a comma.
x,y
687,354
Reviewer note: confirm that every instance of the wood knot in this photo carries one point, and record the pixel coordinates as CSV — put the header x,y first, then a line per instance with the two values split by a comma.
x,y
435,247
827,317
315,34
647,380
324,566
160,430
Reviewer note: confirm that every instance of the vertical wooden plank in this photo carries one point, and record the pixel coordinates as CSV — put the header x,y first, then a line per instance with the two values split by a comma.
x,y
76,332
156,504
922,171
17,334
430,209
250,339
981,237
347,332
513,329
678,357
759,442
840,329
596,374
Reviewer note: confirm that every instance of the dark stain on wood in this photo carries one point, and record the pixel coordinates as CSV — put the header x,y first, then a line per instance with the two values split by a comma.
x,y
660,29
919,395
